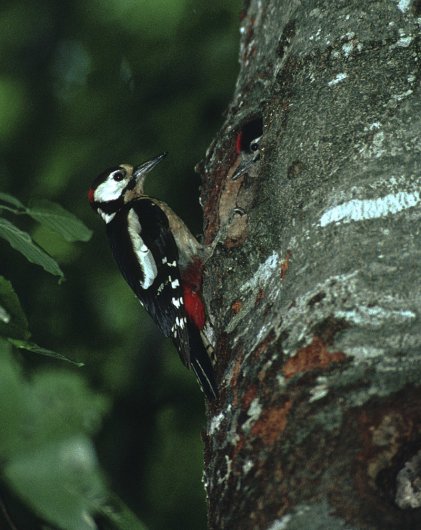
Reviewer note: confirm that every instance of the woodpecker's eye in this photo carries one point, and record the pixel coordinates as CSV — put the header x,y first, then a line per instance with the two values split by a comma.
x,y
254,145
118,176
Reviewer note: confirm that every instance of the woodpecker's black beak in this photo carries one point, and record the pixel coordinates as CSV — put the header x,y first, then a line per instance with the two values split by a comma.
x,y
140,172
244,166
144,168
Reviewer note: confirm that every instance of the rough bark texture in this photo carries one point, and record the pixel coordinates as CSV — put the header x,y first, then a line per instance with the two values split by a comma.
x,y
315,291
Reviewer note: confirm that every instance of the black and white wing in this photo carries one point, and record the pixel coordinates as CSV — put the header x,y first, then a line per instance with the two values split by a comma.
x,y
147,255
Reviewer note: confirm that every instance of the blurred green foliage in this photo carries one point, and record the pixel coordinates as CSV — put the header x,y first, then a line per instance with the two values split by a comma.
x,y
86,85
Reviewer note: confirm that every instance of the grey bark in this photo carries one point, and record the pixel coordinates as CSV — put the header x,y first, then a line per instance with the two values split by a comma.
x,y
315,290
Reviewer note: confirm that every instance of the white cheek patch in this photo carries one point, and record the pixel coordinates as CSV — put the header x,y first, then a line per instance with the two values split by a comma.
x,y
110,190
143,254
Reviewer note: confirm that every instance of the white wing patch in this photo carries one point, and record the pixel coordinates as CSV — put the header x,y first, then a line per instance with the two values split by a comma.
x,y
177,302
144,255
175,283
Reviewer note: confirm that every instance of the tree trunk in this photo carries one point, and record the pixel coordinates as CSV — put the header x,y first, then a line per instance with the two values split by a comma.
x,y
314,290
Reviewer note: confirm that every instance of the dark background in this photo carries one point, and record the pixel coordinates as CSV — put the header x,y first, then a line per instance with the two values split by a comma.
x,y
85,85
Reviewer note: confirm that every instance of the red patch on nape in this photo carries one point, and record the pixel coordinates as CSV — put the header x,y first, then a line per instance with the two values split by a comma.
x,y
239,142
91,193
194,306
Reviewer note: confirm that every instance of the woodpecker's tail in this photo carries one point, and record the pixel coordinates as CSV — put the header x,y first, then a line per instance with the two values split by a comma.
x,y
201,363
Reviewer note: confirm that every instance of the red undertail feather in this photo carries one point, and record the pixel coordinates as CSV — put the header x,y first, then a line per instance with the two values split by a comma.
x,y
194,306
192,285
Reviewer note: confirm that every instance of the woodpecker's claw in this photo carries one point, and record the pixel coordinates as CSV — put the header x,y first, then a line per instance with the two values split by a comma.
x,y
238,211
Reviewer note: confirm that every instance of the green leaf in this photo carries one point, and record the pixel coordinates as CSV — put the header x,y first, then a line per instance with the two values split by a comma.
x,y
47,459
16,326
59,220
63,405
22,242
5,197
122,518
32,347
55,405
4,349
4,315
61,481
12,403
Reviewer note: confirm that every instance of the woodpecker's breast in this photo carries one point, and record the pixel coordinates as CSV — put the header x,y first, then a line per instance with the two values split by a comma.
x,y
187,244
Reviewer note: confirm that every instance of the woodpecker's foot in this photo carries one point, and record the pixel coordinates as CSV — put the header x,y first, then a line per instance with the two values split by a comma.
x,y
222,234
237,211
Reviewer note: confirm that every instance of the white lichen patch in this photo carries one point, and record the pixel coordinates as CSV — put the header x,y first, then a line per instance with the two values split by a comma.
x,y
403,42
338,79
224,478
263,273
215,423
320,390
281,380
364,352
247,466
349,35
394,364
378,185
375,317
404,5
280,524
261,278
349,43
317,35
262,334
253,414
408,491
347,48
366,209
375,148
338,286
402,95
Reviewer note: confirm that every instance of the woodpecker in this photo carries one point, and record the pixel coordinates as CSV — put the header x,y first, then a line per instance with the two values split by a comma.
x,y
248,158
160,260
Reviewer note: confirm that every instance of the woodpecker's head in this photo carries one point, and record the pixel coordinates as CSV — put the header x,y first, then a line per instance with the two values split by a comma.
x,y
118,185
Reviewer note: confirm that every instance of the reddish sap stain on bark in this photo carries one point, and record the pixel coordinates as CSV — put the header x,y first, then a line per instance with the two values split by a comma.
x,y
236,306
260,295
272,423
311,357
